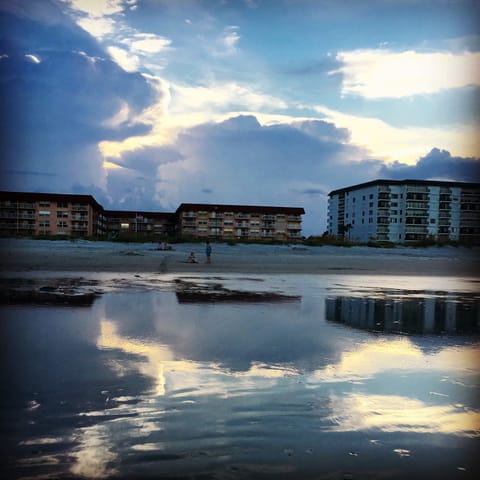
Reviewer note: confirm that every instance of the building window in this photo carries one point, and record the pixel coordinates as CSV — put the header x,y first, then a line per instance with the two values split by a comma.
x,y
432,220
62,205
43,204
62,214
44,223
370,196
124,226
44,213
62,224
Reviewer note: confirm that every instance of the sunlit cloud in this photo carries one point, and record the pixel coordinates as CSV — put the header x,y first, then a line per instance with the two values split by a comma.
x,y
147,43
406,144
124,58
97,27
222,96
391,413
98,8
388,74
180,107
95,16
33,58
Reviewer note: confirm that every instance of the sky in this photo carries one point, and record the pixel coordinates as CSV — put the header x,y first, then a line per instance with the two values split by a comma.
x,y
146,104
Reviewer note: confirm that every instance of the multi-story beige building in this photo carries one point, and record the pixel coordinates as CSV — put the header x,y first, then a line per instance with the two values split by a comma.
x,y
53,214
23,213
197,220
139,224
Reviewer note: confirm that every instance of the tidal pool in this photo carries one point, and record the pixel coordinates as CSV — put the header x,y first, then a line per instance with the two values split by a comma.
x,y
295,376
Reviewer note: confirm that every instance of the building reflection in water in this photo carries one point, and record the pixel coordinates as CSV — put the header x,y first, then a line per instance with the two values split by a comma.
x,y
424,313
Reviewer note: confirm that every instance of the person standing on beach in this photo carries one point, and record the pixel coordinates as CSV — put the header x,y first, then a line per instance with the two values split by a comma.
x,y
208,251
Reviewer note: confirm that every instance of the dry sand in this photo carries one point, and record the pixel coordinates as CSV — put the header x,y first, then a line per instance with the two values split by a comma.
x,y
83,256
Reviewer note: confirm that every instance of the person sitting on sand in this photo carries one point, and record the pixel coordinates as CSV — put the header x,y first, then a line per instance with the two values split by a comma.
x,y
191,258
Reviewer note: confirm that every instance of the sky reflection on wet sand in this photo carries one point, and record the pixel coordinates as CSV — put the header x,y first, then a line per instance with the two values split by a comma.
x,y
143,385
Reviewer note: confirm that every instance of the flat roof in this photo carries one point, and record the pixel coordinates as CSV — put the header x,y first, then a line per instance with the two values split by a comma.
x,y
49,197
433,183
137,213
240,208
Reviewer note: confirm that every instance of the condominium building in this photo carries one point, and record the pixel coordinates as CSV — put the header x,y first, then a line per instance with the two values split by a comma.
x,y
123,223
53,214
23,213
403,211
250,222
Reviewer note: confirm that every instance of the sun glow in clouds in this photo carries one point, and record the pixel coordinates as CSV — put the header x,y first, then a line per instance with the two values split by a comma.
x,y
405,144
386,74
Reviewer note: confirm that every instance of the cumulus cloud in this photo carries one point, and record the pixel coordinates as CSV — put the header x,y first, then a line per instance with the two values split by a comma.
x,y
437,164
241,161
58,110
385,73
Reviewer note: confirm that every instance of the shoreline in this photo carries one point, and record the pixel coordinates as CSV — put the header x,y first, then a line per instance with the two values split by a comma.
x,y
26,255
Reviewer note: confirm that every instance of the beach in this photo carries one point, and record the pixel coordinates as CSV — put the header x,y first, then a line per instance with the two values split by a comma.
x,y
274,361
22,255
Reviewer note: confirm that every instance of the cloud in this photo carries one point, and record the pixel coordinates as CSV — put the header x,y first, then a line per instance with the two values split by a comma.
x,y
32,58
147,43
124,58
385,74
57,111
405,144
228,40
245,162
437,164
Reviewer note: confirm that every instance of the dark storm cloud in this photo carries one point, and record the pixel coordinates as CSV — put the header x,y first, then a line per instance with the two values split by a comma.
x,y
438,164
58,91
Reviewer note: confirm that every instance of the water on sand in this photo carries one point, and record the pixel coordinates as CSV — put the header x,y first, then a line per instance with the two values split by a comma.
x,y
244,377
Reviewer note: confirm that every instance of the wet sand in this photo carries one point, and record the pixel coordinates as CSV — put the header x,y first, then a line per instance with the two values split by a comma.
x,y
64,256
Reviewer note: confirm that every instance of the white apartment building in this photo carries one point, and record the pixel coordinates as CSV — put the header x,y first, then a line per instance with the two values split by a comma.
x,y
403,211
